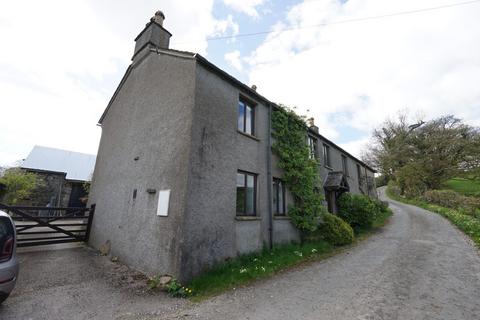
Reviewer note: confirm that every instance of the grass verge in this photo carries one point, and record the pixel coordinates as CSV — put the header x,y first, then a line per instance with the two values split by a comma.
x,y
245,269
466,223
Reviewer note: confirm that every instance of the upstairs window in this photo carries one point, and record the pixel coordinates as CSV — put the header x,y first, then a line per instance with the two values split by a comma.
x,y
246,117
279,208
345,165
326,155
246,194
359,174
312,145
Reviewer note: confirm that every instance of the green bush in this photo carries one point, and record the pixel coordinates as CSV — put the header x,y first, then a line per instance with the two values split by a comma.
x,y
19,185
453,200
393,189
358,210
335,230
381,206
381,181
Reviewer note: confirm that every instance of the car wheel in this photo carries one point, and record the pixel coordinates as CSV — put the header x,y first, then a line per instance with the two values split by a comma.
x,y
3,297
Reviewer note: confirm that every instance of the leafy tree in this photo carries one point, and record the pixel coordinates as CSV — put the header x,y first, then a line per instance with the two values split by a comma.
x,y
423,156
19,184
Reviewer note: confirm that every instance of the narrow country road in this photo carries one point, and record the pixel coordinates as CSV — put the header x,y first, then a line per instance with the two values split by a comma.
x,y
418,267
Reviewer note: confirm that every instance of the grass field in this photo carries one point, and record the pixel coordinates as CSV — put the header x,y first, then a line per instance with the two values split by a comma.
x,y
464,186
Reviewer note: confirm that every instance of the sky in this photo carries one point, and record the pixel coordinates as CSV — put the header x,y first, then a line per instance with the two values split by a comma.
x,y
349,64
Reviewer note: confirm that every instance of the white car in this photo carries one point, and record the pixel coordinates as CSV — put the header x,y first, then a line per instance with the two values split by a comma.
x,y
8,257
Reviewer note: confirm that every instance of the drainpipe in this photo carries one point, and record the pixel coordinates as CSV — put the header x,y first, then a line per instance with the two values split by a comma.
x,y
269,178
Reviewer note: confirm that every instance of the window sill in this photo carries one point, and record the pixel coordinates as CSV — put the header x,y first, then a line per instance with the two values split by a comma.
x,y
281,218
248,135
247,218
328,167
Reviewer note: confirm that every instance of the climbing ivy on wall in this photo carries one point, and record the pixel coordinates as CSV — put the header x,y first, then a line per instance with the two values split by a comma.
x,y
300,173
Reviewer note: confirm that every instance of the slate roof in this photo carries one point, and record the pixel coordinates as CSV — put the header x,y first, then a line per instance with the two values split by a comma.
x,y
76,165
336,180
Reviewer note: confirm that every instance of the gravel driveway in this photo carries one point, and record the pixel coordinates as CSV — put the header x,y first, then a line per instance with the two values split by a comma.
x,y
78,283
418,267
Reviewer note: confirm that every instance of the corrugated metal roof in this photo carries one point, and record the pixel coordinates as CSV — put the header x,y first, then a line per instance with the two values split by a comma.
x,y
77,166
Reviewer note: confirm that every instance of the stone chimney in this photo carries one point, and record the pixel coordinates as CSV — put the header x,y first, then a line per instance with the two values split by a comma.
x,y
158,18
311,124
154,35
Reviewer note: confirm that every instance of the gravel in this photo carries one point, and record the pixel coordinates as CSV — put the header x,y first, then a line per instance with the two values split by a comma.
x,y
79,283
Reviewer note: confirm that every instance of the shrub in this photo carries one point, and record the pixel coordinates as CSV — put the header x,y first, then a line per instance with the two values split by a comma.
x,y
411,180
393,188
335,230
451,199
19,185
382,206
175,289
381,181
358,210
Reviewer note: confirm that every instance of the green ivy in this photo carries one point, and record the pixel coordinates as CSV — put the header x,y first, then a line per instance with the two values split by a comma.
x,y
300,173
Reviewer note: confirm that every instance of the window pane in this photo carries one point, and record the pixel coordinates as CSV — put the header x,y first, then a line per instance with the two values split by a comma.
x,y
240,180
326,156
312,144
344,165
240,193
250,194
249,120
241,116
275,196
281,201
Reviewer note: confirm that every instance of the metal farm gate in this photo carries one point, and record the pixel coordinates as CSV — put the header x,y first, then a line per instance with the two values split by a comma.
x,y
50,225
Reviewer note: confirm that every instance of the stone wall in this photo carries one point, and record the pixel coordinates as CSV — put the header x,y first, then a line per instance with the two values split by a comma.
x,y
52,187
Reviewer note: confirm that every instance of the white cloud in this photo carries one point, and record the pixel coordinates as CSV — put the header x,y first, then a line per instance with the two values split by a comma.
x,y
427,62
245,6
61,61
355,147
221,27
234,59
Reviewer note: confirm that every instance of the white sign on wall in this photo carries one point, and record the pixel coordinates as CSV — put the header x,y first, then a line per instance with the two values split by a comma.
x,y
163,201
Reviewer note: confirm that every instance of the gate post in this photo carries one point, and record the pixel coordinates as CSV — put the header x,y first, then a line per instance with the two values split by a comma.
x,y
89,223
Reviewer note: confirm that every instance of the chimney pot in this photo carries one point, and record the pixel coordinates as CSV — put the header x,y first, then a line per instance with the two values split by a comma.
x,y
158,17
154,35
311,122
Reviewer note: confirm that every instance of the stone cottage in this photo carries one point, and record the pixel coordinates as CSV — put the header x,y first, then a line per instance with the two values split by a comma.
x,y
185,175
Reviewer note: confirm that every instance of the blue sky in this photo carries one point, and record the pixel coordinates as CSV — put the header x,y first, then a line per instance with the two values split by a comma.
x,y
270,13
61,61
